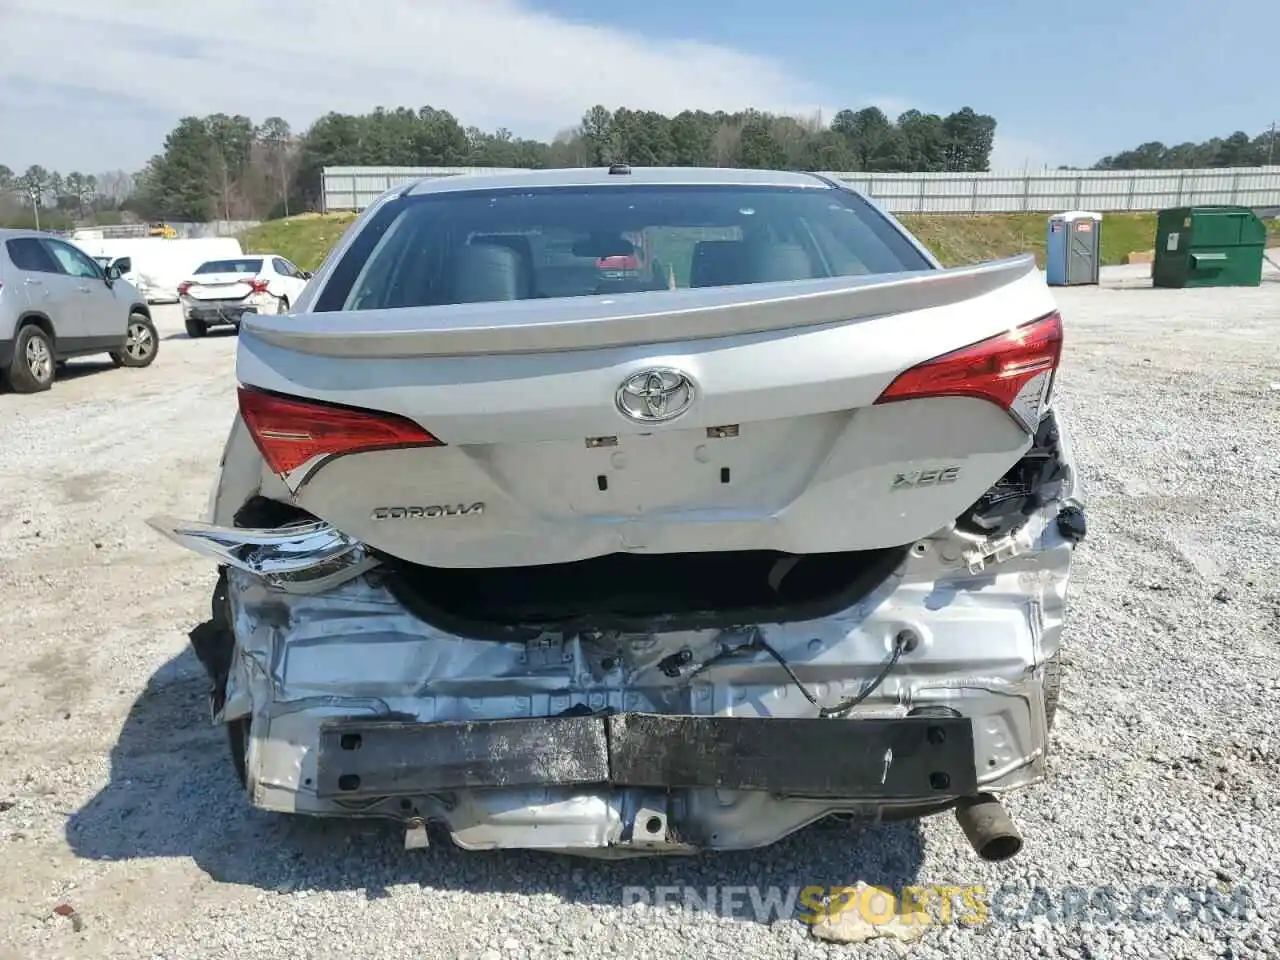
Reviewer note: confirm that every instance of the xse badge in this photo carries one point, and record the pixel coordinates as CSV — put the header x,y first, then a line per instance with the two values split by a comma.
x,y
916,479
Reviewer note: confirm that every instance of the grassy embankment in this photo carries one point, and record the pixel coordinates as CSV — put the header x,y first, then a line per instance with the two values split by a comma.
x,y
955,239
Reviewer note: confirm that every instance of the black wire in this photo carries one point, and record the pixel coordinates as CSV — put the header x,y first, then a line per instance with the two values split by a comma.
x,y
844,706
761,644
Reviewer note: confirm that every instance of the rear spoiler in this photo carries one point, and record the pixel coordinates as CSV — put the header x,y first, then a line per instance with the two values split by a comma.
x,y
595,322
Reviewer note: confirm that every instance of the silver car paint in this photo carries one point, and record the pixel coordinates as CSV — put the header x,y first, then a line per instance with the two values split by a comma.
x,y
318,636
661,317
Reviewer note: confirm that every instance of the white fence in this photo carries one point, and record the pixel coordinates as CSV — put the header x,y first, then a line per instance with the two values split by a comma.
x,y
354,188
1049,191
184,229
217,228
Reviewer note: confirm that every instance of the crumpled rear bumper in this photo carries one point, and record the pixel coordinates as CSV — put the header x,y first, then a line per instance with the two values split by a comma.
x,y
632,782
595,744
230,311
583,744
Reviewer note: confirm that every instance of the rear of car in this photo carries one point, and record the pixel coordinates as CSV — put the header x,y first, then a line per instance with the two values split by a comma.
x,y
656,512
223,292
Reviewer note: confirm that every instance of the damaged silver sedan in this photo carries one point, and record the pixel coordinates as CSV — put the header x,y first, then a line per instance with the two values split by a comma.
x,y
642,511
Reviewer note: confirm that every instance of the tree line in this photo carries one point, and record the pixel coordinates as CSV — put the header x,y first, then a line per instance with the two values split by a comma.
x,y
59,200
1237,150
228,167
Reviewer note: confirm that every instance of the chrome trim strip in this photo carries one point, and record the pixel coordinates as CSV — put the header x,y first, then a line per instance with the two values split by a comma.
x,y
304,554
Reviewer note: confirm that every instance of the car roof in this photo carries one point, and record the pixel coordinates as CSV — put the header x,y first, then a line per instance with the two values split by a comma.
x,y
13,233
600,176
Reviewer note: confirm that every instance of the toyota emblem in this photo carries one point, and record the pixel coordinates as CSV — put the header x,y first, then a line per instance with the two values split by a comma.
x,y
652,396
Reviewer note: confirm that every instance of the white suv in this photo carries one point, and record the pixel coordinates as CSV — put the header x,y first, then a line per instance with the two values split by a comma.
x,y
57,302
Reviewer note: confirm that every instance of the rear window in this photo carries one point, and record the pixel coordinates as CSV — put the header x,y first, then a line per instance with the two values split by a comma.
x,y
230,266
440,249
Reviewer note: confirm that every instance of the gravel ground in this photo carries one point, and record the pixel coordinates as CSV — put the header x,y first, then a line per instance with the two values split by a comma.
x,y
116,799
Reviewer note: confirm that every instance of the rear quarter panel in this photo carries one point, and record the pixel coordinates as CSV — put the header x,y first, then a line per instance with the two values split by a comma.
x,y
13,297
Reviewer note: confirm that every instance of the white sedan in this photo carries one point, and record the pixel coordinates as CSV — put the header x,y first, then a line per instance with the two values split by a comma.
x,y
222,291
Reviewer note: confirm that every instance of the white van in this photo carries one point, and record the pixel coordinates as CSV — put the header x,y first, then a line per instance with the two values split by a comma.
x,y
157,265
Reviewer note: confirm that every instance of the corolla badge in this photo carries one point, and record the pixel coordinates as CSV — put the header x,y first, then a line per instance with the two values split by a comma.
x,y
652,396
433,512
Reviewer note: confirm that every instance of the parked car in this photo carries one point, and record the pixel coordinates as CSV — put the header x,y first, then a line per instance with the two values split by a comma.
x,y
221,292
158,265
123,269
56,302
782,529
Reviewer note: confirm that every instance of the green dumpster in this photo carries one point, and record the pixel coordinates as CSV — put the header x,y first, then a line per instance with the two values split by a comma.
x,y
1210,246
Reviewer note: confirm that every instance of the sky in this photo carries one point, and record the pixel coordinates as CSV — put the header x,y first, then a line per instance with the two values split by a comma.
x,y
95,85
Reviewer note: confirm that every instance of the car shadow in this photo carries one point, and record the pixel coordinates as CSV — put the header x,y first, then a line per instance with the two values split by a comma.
x,y
172,793
75,369
213,334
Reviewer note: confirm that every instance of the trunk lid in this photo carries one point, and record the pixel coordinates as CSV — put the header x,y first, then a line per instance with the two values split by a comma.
x,y
220,286
718,419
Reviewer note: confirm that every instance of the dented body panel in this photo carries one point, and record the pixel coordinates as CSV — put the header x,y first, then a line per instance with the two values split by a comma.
x,y
983,634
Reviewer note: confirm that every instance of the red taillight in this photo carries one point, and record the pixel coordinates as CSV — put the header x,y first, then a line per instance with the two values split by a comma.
x,y
258,286
996,369
621,262
183,287
289,431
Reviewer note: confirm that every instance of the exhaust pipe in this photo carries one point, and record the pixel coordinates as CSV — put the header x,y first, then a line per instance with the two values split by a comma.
x,y
988,828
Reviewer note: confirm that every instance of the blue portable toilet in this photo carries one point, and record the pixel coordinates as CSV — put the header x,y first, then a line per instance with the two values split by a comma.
x,y
1073,253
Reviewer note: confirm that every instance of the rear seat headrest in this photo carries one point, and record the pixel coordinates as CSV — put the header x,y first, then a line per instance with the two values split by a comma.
x,y
769,262
489,271
716,263
723,262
